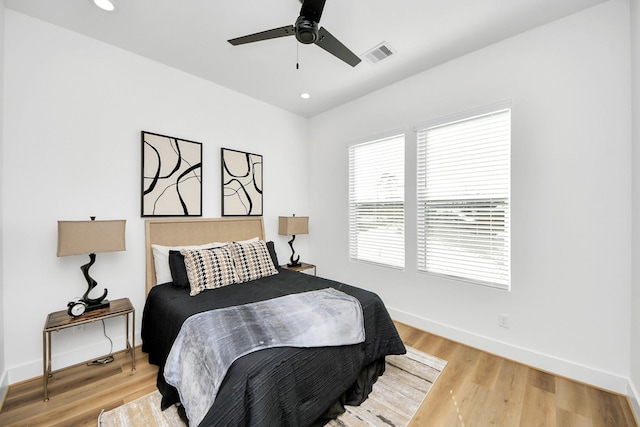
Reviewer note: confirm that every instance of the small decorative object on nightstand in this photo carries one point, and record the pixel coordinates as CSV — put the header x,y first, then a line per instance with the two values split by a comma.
x,y
301,267
89,237
290,226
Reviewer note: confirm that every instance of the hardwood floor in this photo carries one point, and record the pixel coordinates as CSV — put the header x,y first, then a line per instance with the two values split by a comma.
x,y
480,389
475,389
77,395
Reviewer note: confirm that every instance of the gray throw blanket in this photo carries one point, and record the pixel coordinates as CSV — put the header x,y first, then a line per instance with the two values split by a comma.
x,y
209,342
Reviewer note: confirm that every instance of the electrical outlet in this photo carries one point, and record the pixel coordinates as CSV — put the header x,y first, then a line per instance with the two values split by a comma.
x,y
503,321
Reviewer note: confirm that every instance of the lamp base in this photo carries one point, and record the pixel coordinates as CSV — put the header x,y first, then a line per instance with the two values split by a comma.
x,y
102,304
294,261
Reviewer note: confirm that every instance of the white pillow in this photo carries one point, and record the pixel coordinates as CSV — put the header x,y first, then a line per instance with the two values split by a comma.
x,y
161,258
251,240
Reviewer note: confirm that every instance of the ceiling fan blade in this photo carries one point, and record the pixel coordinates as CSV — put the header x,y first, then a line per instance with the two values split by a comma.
x,y
312,9
264,35
336,48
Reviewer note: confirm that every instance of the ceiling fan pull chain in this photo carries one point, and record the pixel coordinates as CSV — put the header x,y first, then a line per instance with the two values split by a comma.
x,y
297,55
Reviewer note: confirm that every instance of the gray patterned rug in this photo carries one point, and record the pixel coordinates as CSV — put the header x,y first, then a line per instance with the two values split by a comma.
x,y
396,397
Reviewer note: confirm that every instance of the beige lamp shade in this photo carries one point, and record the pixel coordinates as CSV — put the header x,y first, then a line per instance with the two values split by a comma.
x,y
293,225
89,237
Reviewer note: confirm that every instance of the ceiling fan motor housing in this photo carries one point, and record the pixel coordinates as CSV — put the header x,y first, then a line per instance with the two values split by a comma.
x,y
306,30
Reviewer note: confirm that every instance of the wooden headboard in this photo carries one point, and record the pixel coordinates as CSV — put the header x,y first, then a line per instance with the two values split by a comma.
x,y
196,231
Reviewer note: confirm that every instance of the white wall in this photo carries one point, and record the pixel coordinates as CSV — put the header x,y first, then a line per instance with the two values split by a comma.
x,y
4,378
74,109
635,284
569,84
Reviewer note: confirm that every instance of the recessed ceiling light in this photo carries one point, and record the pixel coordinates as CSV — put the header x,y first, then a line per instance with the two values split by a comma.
x,y
305,95
107,5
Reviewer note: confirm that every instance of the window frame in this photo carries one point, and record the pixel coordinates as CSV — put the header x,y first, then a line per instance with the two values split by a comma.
x,y
358,247
482,204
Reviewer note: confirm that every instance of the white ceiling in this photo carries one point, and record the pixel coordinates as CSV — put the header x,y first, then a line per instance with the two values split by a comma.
x,y
191,35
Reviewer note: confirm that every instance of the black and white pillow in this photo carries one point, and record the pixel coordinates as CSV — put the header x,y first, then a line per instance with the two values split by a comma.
x,y
161,258
252,260
209,268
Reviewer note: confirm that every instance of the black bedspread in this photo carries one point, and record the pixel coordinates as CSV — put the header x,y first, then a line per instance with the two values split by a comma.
x,y
277,386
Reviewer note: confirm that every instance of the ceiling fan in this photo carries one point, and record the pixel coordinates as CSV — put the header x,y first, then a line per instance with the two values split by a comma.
x,y
306,31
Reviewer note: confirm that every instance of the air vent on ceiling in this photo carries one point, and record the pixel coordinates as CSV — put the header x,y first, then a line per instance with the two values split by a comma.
x,y
378,53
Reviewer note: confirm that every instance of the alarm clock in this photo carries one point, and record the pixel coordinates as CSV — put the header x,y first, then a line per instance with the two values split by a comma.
x,y
76,308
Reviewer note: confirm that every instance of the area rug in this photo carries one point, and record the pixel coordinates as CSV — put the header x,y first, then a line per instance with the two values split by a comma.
x,y
395,398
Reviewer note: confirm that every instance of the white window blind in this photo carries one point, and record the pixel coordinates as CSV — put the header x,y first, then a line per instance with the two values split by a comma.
x,y
376,201
463,198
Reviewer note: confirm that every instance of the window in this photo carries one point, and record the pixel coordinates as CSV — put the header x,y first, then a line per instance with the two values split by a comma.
x,y
376,201
463,197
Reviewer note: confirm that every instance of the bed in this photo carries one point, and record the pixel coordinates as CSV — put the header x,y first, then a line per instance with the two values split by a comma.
x,y
284,385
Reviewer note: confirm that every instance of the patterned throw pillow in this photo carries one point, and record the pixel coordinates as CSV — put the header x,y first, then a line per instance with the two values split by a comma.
x,y
252,260
161,258
209,268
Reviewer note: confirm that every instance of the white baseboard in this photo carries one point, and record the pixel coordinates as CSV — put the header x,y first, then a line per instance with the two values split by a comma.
x,y
72,357
544,362
4,388
632,392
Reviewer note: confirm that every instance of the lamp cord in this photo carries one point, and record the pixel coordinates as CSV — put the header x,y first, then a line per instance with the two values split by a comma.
x,y
106,359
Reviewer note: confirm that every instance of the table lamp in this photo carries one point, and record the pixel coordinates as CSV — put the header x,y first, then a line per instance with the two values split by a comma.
x,y
291,226
91,237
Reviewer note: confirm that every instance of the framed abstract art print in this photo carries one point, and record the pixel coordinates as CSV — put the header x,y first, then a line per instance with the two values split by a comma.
x,y
171,176
241,183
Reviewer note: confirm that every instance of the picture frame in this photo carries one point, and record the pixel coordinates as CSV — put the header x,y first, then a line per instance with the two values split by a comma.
x,y
171,176
241,183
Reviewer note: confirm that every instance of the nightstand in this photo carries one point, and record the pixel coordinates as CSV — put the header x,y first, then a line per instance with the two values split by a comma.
x,y
59,320
302,267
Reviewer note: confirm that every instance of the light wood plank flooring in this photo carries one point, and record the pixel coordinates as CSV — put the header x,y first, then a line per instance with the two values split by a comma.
x,y
475,389
478,389
78,394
